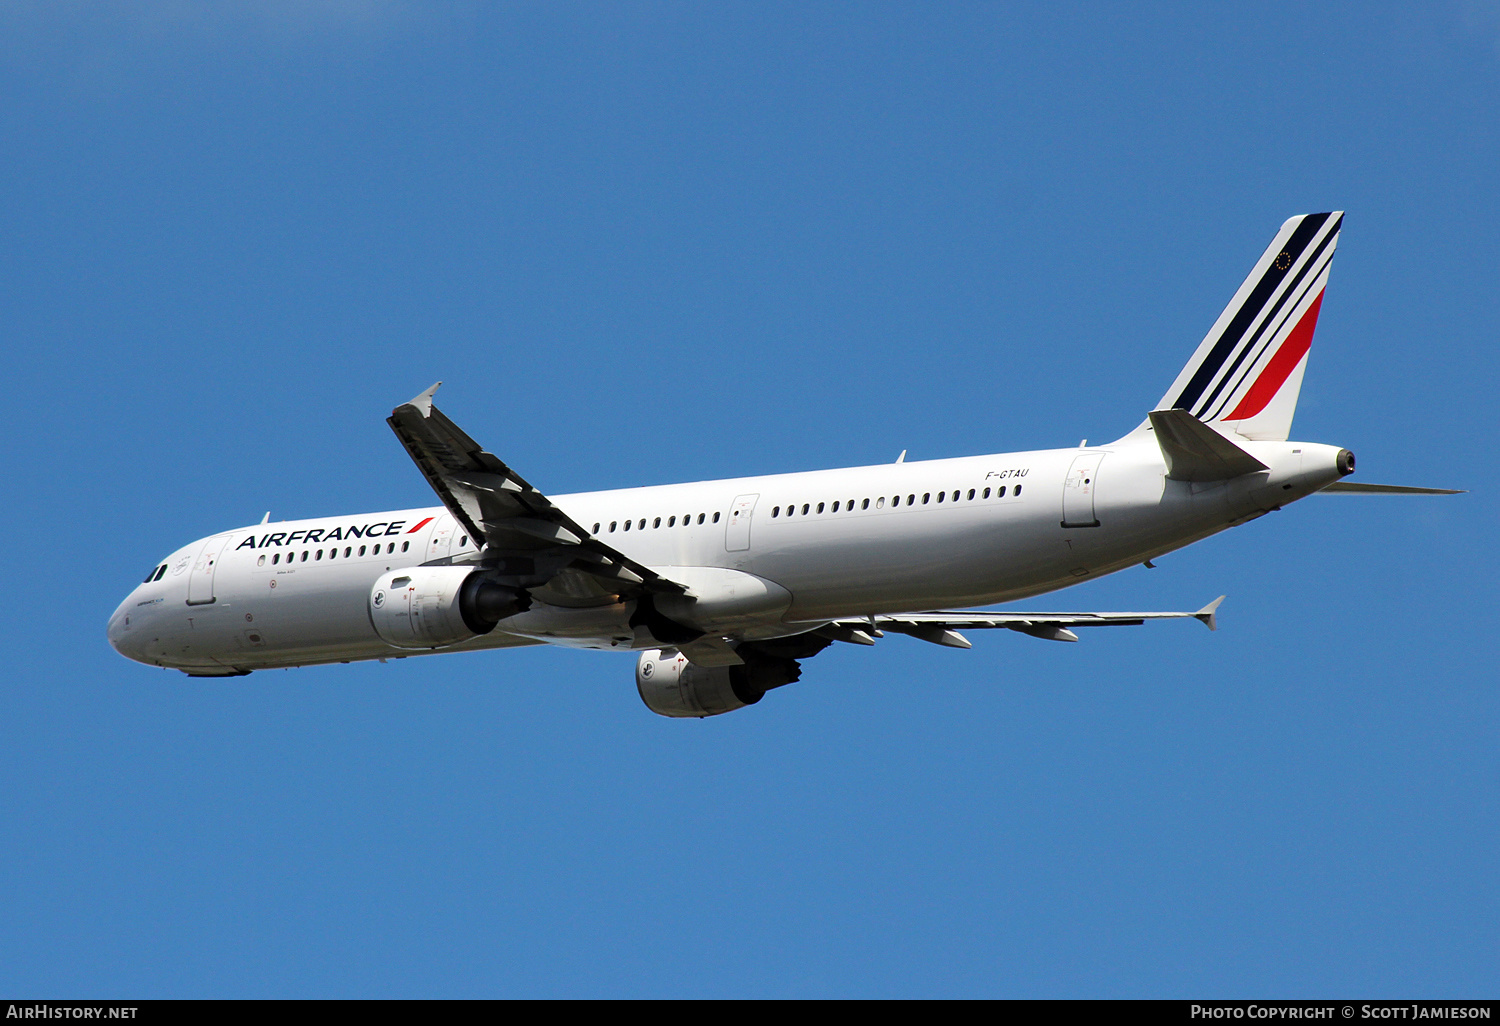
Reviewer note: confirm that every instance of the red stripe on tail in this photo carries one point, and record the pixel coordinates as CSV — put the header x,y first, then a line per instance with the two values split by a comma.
x,y
1281,366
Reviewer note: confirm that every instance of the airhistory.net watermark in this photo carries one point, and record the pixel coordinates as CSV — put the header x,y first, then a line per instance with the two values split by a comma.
x,y
43,1010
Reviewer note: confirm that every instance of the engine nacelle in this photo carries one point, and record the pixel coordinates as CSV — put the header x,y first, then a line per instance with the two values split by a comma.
x,y
672,686
437,606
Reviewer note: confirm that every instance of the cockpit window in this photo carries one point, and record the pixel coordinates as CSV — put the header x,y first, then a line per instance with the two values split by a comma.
x,y
155,574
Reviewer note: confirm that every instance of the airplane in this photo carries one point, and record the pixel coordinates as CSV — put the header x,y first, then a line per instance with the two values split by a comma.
x,y
723,588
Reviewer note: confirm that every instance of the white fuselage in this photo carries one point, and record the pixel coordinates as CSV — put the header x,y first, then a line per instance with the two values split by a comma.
x,y
872,540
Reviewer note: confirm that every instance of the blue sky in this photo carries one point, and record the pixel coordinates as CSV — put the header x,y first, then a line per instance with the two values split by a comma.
x,y
655,242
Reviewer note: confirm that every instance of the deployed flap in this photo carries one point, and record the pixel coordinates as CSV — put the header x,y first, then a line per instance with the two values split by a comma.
x,y
1359,488
519,527
932,633
941,626
711,651
1196,452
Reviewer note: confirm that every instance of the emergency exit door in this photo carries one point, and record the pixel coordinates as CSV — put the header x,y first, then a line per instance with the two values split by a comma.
x,y
737,534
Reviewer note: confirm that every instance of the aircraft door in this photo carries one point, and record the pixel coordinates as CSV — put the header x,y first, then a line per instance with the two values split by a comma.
x,y
201,580
444,534
1078,491
737,534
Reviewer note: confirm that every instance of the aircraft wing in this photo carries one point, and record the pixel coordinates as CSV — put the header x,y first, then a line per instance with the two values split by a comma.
x,y
941,627
524,535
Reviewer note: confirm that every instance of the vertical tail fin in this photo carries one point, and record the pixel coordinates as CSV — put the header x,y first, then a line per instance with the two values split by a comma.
x,y
1248,370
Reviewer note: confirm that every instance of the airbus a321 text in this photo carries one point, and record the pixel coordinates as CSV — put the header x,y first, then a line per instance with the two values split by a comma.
x,y
722,587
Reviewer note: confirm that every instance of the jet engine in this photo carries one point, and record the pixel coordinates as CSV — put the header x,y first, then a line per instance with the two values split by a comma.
x,y
672,686
436,606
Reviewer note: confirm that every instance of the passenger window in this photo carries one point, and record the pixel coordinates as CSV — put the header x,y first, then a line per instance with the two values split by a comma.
x,y
971,494
612,526
361,550
642,525
805,508
1000,492
911,500
259,562
940,496
835,507
895,501
716,516
318,555
304,555
671,521
333,553
926,496
463,540
1018,491
775,512
986,493
627,525
700,518
820,507
879,503
596,529
347,550
405,545
275,558
865,504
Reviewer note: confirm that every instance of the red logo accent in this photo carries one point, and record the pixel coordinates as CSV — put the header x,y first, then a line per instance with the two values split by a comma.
x,y
1281,366
423,524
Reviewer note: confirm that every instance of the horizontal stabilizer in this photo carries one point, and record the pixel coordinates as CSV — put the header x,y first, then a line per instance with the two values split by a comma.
x,y
1207,616
1196,452
1359,488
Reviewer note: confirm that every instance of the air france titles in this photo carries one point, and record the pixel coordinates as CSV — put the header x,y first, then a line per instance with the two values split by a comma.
x,y
318,535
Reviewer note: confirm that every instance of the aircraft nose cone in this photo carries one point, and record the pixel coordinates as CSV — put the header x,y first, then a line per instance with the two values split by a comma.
x,y
122,638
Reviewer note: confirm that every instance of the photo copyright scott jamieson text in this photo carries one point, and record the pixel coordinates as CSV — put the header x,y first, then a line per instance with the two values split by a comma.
x,y
1405,1010
43,1011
